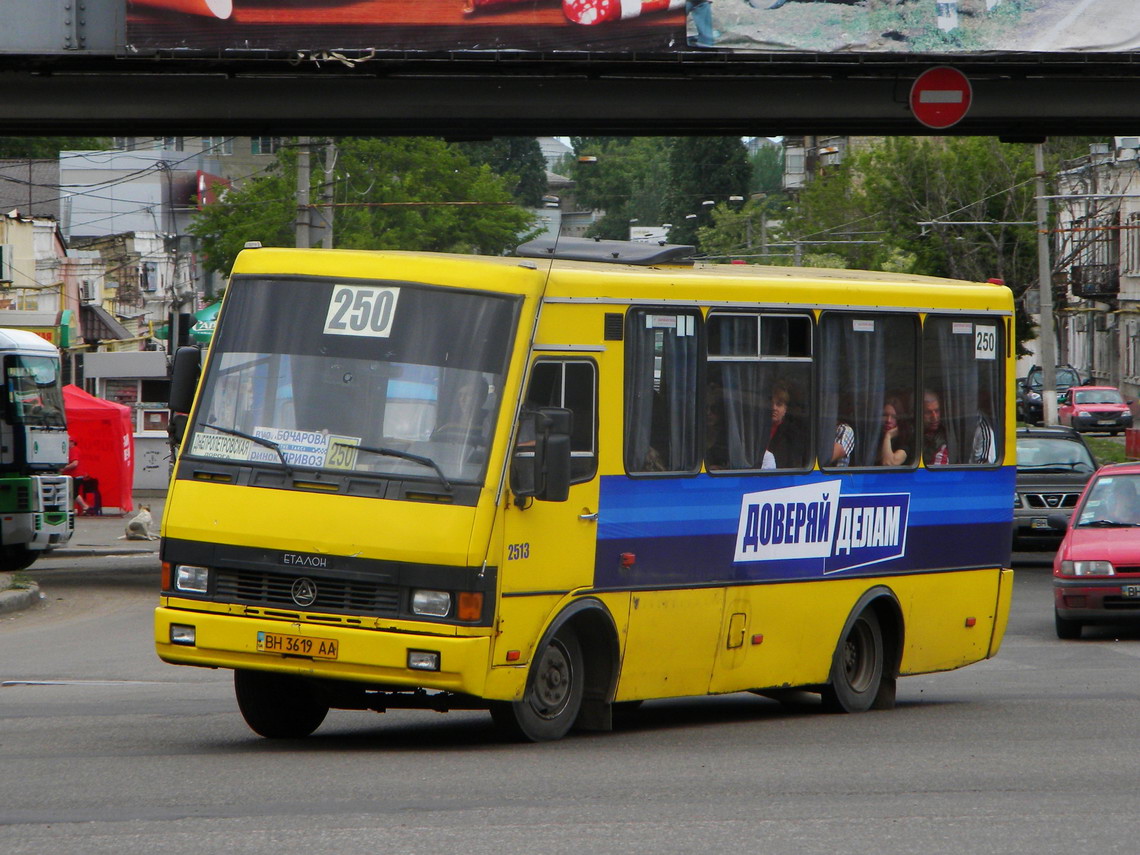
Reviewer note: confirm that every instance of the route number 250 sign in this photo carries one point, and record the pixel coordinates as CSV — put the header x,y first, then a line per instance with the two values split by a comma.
x,y
361,310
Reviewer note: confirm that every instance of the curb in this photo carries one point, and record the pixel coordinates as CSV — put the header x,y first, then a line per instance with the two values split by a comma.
x,y
15,599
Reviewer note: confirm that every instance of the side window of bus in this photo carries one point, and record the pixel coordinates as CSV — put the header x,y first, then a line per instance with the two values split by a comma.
x,y
866,398
571,384
662,390
759,385
962,390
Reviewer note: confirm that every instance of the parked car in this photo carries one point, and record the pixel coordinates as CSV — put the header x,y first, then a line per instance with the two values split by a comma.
x,y
1053,466
1030,408
1094,408
1096,571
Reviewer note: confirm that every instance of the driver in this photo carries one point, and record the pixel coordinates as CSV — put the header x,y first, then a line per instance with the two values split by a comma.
x,y
1122,505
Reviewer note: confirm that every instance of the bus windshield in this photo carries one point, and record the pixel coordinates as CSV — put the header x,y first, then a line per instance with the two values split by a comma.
x,y
419,401
34,393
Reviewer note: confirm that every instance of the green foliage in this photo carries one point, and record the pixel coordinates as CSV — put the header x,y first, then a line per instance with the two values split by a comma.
x,y
49,147
518,160
1106,450
625,181
702,169
767,169
385,190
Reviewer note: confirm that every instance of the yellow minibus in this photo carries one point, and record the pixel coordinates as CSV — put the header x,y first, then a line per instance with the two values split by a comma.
x,y
591,474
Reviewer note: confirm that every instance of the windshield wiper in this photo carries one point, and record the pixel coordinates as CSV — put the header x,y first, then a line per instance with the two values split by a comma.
x,y
403,455
260,440
1061,466
1107,524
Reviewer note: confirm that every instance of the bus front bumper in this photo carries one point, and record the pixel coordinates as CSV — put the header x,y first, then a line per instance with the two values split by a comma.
x,y
384,657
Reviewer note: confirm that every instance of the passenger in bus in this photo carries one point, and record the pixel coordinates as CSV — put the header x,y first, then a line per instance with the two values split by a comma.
x,y
892,451
787,440
935,451
985,441
844,445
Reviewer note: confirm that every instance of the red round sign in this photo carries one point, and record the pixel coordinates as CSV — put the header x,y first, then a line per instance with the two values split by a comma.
x,y
940,97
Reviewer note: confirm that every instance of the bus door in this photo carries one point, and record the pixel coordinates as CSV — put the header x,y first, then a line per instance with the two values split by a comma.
x,y
549,547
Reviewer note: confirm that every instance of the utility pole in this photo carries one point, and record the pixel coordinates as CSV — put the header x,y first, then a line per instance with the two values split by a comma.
x,y
327,195
1047,351
303,192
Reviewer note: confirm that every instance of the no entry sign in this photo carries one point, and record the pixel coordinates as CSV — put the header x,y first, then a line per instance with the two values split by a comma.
x,y
940,97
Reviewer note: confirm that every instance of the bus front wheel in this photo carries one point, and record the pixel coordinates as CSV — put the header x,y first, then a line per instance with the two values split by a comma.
x,y
18,557
857,667
553,694
278,706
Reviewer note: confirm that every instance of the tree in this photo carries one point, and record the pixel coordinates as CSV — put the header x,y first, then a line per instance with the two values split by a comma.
x,y
391,193
49,147
767,168
961,207
702,169
518,160
622,176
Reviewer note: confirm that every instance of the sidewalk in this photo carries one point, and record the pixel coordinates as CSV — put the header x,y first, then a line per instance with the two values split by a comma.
x,y
104,535
93,536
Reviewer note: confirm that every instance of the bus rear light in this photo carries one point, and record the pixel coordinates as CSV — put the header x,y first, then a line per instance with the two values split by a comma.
x,y
165,578
470,605
423,660
183,634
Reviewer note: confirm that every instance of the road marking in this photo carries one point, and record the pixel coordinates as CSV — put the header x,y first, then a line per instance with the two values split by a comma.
x,y
9,683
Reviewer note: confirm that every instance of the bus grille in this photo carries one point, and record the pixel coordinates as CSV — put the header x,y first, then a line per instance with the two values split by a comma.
x,y
333,595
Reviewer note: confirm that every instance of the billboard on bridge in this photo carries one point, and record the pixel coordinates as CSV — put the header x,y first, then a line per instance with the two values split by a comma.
x,y
316,28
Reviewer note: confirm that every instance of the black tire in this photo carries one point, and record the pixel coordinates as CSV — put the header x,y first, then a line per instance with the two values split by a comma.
x,y
278,706
553,694
1067,629
857,667
16,557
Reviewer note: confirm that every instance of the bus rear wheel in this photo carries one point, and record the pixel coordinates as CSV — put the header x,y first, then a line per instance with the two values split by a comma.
x,y
857,667
553,694
278,706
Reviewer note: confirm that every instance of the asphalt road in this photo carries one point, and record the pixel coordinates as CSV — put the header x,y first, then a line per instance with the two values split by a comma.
x,y
103,749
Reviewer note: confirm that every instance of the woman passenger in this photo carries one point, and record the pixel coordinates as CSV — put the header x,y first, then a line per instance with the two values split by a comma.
x,y
891,451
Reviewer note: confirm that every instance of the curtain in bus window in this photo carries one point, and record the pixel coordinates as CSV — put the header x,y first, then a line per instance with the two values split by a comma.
x,y
661,395
962,379
852,388
739,399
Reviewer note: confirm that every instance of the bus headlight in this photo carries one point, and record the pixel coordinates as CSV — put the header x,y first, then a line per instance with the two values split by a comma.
x,y
191,578
1087,568
431,603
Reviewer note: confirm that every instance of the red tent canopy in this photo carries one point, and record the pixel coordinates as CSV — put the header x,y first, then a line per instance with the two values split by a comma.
x,y
104,435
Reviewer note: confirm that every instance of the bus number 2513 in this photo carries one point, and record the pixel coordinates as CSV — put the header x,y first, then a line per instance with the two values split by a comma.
x,y
518,551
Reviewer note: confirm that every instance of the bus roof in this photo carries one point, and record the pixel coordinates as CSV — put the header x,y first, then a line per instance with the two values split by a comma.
x,y
614,281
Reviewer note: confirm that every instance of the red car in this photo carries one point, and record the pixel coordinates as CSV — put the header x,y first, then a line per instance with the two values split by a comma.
x,y
1096,571
1089,408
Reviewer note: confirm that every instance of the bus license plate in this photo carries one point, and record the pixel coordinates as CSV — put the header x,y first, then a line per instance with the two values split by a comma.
x,y
297,645
1132,591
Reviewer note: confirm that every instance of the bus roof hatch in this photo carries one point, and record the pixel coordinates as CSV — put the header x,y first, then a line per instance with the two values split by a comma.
x,y
612,251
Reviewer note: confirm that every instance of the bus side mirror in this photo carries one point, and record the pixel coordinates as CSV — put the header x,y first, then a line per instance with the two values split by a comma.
x,y
556,456
184,375
541,465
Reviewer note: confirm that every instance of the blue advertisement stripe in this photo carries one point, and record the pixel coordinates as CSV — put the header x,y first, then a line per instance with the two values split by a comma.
x,y
708,559
711,505
692,530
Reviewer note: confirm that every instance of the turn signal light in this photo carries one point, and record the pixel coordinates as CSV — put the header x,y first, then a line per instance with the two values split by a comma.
x,y
470,605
